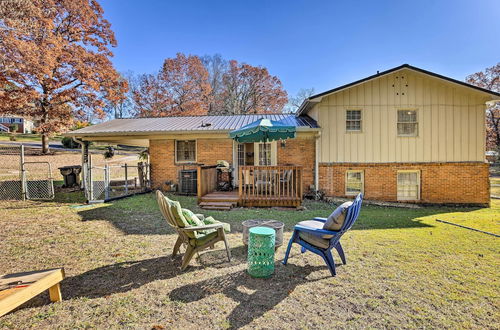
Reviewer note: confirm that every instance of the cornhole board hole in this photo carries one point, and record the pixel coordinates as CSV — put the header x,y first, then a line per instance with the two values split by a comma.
x,y
16,289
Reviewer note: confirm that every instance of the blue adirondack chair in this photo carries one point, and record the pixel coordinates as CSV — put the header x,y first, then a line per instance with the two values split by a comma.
x,y
334,242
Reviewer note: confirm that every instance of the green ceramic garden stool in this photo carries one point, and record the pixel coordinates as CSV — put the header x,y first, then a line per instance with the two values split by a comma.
x,y
261,251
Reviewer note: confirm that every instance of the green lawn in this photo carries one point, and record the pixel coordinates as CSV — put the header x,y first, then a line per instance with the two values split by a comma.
x,y
405,270
26,137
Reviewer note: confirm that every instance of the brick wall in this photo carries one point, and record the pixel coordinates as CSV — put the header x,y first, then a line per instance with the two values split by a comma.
x,y
299,151
440,182
162,157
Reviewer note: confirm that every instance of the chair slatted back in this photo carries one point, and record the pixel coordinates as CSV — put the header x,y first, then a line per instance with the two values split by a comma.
x,y
165,209
350,218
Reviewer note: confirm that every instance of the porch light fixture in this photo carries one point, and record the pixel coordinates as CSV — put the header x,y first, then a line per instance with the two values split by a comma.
x,y
283,144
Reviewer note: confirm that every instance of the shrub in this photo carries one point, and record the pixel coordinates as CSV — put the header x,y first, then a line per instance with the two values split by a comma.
x,y
12,138
68,142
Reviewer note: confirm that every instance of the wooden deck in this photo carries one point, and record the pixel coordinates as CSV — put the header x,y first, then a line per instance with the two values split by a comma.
x,y
258,186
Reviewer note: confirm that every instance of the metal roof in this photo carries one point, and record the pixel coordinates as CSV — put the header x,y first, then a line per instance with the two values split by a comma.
x,y
142,126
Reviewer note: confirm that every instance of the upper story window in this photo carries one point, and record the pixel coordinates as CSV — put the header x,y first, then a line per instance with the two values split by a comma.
x,y
353,121
185,151
407,123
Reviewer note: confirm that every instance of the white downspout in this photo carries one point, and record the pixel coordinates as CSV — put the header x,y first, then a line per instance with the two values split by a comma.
x,y
316,162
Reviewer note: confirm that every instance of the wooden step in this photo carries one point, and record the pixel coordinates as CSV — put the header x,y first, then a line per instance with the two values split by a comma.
x,y
216,205
219,201
216,208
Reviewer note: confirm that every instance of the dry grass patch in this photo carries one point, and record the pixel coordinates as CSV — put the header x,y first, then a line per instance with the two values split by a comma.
x,y
404,270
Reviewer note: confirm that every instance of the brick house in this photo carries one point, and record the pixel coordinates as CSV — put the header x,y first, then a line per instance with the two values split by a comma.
x,y
404,134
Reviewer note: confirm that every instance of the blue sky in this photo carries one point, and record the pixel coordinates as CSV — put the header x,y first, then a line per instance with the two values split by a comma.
x,y
319,44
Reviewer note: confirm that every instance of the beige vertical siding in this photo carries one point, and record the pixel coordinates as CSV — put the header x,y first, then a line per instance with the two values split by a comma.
x,y
451,121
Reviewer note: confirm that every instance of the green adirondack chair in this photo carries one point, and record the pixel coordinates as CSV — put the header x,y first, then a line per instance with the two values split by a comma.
x,y
195,231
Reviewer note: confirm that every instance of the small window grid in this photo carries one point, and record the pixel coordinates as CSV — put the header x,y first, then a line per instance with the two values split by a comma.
x,y
353,121
407,123
185,151
408,185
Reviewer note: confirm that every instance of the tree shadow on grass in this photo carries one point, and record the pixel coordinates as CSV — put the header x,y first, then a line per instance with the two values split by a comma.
x,y
132,222
254,296
125,276
121,277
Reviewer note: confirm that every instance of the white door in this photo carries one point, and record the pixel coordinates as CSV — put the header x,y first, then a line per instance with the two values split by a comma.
x,y
265,153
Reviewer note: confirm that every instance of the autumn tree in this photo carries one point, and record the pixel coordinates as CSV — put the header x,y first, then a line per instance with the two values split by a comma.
x,y
249,89
180,88
190,85
490,79
150,97
55,62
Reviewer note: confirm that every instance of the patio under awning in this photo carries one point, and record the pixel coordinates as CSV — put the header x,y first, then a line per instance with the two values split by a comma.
x,y
263,130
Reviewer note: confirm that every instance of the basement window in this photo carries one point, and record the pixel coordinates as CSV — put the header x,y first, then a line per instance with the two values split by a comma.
x,y
408,185
407,123
353,121
185,151
354,182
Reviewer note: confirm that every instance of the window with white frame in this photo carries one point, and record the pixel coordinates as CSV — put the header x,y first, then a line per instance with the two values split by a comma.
x,y
241,154
407,123
353,121
185,151
354,182
408,185
265,154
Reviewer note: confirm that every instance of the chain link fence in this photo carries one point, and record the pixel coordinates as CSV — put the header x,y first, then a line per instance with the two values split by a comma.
x,y
22,176
112,181
10,172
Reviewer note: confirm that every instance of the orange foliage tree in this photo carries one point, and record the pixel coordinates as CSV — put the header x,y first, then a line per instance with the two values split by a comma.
x,y
490,79
180,88
55,62
249,89
188,85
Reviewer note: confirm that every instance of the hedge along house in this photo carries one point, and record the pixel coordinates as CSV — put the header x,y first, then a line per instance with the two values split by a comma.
x,y
404,134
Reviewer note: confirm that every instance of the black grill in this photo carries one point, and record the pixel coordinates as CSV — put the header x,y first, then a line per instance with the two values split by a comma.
x,y
188,182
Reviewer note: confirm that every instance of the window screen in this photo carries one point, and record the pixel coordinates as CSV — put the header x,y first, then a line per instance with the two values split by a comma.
x,y
409,185
353,120
354,182
186,151
407,123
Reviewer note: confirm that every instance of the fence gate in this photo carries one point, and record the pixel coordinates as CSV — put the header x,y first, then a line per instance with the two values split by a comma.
x,y
22,176
108,182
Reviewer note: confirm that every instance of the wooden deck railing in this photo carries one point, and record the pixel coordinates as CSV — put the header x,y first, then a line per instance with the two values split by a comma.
x,y
270,185
206,180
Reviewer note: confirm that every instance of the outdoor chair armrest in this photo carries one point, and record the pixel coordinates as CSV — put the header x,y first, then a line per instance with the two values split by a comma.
x,y
315,231
196,228
200,216
320,219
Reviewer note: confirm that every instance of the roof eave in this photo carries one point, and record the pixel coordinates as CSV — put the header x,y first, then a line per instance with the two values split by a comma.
x,y
306,104
146,133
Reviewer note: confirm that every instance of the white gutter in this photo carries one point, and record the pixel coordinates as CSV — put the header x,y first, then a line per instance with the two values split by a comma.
x,y
316,162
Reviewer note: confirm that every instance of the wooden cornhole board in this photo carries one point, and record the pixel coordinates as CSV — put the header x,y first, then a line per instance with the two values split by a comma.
x,y
16,289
